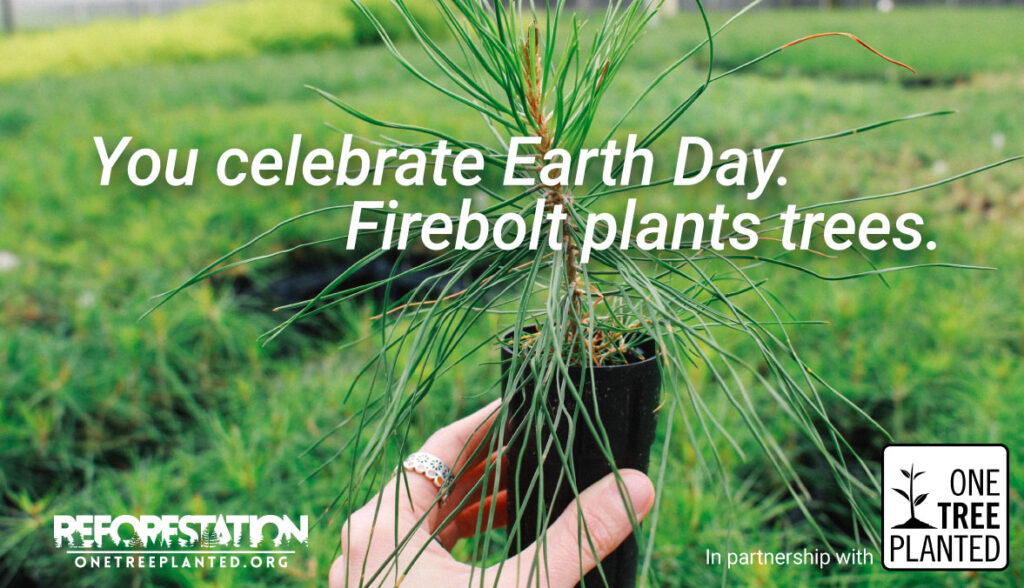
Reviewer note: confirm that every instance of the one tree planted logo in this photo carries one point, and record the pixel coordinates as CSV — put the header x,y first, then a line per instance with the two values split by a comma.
x,y
945,507
914,500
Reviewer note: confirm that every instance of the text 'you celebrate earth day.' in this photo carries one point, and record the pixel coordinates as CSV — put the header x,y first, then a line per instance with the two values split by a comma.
x,y
540,224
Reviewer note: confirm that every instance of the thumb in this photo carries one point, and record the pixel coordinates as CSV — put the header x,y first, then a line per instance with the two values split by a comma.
x,y
582,536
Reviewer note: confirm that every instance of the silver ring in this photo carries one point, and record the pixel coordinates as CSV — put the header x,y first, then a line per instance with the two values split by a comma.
x,y
433,468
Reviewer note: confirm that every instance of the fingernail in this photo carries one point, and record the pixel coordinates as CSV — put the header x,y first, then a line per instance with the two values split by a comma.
x,y
639,487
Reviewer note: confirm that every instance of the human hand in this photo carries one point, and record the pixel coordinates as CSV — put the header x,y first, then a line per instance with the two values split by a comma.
x,y
370,536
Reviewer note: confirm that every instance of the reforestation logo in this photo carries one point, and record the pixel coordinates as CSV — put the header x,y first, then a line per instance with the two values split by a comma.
x,y
914,500
176,541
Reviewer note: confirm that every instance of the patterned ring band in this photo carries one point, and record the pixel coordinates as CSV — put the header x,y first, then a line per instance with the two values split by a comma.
x,y
432,467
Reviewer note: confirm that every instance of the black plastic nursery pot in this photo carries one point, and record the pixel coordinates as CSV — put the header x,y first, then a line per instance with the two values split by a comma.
x,y
624,399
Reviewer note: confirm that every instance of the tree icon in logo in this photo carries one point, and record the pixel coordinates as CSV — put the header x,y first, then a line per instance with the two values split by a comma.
x,y
209,540
912,522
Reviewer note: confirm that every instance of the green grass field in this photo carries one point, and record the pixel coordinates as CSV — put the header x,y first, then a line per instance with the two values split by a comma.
x,y
184,412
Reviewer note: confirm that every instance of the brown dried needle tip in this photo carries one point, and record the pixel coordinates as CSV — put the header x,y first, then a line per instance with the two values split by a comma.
x,y
855,38
600,79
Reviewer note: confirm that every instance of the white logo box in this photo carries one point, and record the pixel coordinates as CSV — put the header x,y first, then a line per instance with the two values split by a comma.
x,y
954,516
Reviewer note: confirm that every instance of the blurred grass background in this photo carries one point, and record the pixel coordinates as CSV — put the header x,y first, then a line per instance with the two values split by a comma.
x,y
183,412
